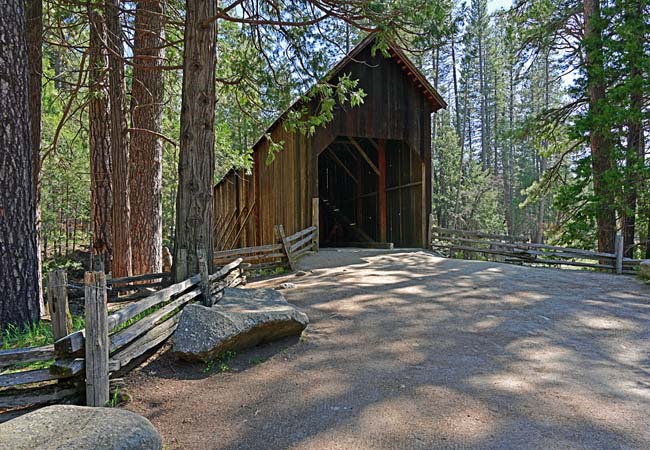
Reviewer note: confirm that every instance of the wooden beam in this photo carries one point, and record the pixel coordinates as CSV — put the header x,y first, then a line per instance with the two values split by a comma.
x,y
314,220
364,155
404,186
340,163
373,245
381,190
345,144
279,231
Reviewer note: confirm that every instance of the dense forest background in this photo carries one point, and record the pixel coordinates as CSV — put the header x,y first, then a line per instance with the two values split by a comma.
x,y
511,154
544,136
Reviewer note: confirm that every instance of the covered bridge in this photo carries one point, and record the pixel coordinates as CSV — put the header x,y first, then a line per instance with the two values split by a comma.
x,y
364,178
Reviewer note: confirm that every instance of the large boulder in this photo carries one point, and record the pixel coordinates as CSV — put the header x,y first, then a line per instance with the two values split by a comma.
x,y
67,427
243,318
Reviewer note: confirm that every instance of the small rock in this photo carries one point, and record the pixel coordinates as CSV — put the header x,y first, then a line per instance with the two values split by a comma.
x,y
300,273
79,428
644,269
286,286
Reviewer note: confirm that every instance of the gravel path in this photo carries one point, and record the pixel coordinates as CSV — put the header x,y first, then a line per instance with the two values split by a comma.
x,y
409,351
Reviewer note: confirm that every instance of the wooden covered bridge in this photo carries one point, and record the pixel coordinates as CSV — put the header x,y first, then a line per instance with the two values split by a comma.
x,y
363,179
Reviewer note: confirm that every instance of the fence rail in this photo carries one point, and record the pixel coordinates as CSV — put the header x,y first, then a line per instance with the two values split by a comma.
x,y
81,364
283,253
507,249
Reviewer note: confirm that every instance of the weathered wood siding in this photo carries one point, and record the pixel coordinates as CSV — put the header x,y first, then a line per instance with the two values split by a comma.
x,y
394,107
281,193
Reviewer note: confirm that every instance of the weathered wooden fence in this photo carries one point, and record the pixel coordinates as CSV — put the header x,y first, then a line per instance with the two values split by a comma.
x,y
127,289
510,249
284,253
80,365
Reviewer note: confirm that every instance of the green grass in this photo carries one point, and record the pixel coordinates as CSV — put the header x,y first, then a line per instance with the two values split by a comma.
x,y
137,317
114,401
257,360
146,313
220,363
33,335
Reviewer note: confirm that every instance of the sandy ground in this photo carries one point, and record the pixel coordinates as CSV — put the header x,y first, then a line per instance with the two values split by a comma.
x,y
409,351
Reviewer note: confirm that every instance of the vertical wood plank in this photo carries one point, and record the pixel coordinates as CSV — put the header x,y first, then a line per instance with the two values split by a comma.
x,y
314,221
427,219
381,190
97,343
57,302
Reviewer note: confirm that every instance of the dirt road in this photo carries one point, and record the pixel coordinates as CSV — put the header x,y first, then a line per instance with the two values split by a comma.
x,y
409,351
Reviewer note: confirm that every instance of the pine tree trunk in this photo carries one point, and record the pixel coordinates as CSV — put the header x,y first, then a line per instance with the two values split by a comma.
x,y
599,136
34,11
461,156
495,144
101,185
455,79
506,156
541,211
145,157
119,143
18,259
634,157
438,184
196,165
484,156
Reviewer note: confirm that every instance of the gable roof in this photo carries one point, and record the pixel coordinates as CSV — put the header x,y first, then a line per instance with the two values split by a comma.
x,y
412,72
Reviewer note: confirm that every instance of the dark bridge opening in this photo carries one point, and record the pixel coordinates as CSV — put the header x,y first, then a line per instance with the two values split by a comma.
x,y
371,194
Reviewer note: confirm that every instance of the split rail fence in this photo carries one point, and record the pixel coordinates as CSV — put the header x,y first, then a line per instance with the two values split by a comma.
x,y
80,365
515,250
284,253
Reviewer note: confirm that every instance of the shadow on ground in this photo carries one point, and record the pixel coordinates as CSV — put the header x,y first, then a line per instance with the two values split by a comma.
x,y
407,350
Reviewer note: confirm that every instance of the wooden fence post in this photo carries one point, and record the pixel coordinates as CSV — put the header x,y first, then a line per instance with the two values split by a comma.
x,y
430,232
57,302
279,231
619,254
205,282
97,343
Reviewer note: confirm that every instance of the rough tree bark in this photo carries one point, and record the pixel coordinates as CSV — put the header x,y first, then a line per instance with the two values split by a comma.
x,y
119,143
485,163
599,136
34,11
543,161
101,185
635,137
506,155
145,156
196,165
18,259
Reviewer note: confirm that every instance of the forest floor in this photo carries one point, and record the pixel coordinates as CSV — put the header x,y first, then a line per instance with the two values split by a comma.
x,y
406,350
